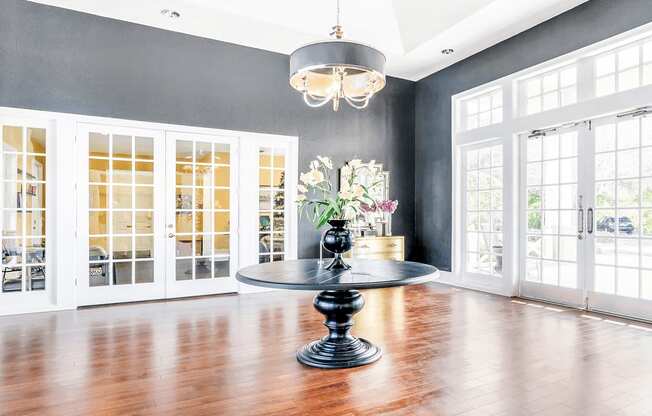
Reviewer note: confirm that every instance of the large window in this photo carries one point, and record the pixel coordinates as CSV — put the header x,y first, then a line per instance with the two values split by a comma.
x,y
484,210
575,218
24,228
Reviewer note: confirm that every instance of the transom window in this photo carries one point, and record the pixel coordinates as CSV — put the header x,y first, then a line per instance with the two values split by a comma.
x,y
23,204
272,196
483,110
551,90
484,210
623,69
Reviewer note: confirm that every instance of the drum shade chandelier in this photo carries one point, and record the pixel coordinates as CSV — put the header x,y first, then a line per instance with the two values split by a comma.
x,y
337,69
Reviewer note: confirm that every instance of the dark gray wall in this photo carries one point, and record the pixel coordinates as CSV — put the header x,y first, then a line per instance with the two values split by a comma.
x,y
586,24
59,60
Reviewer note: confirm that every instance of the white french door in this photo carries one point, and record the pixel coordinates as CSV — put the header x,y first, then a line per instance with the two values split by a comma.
x,y
551,251
160,216
202,214
619,267
120,217
586,217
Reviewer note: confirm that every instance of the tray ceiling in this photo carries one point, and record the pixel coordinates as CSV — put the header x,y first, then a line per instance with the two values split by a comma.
x,y
411,33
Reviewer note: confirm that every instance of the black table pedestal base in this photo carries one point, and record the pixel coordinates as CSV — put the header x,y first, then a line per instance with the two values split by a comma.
x,y
339,349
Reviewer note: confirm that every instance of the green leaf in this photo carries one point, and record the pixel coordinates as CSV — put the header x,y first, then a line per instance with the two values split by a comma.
x,y
325,217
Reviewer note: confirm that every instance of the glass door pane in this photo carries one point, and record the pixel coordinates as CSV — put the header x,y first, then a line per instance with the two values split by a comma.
x,y
201,222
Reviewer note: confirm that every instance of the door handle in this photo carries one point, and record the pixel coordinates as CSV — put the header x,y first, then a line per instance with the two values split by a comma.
x,y
589,221
171,235
580,219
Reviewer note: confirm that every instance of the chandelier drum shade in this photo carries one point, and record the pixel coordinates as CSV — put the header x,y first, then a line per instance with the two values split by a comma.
x,y
337,69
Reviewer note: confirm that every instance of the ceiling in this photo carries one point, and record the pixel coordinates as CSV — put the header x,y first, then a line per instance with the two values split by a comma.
x,y
412,33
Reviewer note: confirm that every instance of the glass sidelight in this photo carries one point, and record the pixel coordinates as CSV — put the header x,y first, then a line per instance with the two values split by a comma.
x,y
483,206
24,229
271,207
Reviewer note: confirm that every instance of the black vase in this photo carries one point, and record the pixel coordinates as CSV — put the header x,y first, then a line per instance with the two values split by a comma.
x,y
338,240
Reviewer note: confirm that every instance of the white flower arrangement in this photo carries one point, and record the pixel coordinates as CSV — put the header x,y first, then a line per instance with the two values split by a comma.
x,y
316,192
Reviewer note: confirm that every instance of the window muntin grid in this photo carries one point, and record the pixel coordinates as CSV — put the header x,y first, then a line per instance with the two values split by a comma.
x,y
121,209
550,202
553,89
624,68
484,210
24,227
202,210
272,242
483,110
623,208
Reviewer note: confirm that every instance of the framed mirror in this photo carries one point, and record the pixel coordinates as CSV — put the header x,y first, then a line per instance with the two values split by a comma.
x,y
379,192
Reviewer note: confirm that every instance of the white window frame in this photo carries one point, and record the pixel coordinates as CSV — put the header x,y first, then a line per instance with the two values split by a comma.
x,y
61,292
515,122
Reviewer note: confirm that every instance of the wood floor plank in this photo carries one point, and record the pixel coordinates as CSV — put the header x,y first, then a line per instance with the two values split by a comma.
x,y
446,351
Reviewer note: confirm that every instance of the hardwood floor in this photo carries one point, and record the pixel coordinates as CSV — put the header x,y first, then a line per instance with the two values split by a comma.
x,y
446,352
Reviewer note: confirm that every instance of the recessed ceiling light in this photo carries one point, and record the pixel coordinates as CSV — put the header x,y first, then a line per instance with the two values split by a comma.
x,y
447,51
172,14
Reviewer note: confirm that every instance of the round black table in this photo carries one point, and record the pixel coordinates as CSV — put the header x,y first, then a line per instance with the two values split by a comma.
x,y
338,300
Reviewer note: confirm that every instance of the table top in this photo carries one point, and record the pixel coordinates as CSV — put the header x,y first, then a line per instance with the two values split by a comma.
x,y
310,274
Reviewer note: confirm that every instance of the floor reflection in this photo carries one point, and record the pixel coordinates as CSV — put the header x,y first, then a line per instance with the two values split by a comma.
x,y
446,351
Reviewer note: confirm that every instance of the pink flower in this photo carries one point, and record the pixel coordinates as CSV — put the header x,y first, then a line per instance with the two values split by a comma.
x,y
388,206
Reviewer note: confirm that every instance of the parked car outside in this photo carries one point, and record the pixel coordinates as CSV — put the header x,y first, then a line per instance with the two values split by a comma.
x,y
608,225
